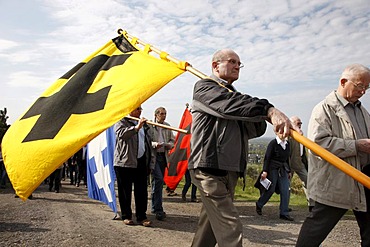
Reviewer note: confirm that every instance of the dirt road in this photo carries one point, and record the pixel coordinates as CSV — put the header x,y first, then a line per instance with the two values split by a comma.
x,y
70,218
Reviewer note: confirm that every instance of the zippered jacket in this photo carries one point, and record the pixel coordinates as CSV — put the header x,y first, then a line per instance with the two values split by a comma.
x,y
331,128
126,147
223,122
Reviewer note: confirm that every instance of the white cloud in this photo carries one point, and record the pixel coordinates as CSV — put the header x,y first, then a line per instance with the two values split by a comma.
x,y
292,50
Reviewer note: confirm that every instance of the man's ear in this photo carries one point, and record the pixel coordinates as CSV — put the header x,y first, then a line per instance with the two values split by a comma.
x,y
214,65
343,81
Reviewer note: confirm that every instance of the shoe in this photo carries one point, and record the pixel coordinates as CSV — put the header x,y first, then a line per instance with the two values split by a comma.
x,y
78,185
30,197
258,210
160,215
146,223
172,193
183,198
310,208
50,189
286,217
194,200
290,210
56,191
128,222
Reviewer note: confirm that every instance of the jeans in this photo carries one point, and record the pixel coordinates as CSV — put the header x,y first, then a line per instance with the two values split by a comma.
x,y
157,183
278,178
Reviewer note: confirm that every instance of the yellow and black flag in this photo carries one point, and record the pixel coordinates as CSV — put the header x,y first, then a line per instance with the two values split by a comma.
x,y
85,101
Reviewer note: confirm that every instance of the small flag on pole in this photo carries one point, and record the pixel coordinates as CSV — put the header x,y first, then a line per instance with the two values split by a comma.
x,y
100,171
179,154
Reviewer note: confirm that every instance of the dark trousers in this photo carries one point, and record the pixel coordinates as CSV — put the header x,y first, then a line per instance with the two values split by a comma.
x,y
125,178
323,219
73,172
54,180
81,172
278,178
187,186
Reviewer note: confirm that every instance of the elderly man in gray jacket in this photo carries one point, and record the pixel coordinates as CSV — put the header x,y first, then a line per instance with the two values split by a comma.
x,y
341,125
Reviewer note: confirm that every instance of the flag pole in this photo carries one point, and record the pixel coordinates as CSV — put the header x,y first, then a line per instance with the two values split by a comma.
x,y
186,65
323,153
160,125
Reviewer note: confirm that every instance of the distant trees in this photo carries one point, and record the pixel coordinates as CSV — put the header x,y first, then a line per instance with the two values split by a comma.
x,y
3,125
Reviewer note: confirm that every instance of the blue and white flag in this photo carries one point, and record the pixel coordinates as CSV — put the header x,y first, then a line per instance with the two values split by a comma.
x,y
100,172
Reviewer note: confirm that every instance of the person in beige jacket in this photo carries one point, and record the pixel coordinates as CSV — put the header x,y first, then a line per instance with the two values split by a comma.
x,y
341,125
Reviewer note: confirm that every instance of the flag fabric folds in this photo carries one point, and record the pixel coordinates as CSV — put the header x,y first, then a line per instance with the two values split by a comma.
x,y
88,99
179,154
100,171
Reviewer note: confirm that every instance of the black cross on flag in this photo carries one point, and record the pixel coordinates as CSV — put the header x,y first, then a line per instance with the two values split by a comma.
x,y
88,99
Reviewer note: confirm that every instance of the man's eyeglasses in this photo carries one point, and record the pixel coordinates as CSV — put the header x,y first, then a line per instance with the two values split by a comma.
x,y
233,62
358,86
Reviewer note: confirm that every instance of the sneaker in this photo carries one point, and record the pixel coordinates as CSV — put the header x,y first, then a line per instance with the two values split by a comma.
x,y
160,215
194,200
128,222
183,198
258,210
146,223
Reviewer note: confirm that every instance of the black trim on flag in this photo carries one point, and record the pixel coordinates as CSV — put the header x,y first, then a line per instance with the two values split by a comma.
x,y
123,44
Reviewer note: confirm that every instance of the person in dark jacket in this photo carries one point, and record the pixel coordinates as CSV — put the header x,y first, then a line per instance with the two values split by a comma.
x,y
276,169
223,122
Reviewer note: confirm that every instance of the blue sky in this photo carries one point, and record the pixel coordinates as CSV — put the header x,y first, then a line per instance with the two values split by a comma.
x,y
293,51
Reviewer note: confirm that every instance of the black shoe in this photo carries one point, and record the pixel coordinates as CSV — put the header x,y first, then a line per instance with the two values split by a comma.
x,y
310,208
290,210
50,189
258,210
160,215
183,198
286,217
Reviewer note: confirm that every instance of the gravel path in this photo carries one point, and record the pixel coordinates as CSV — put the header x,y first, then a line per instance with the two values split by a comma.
x,y
70,218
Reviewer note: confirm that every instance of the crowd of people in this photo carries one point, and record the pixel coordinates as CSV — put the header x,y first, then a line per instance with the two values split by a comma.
x,y
224,120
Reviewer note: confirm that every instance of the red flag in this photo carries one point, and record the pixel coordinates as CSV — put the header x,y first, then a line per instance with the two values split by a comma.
x,y
178,156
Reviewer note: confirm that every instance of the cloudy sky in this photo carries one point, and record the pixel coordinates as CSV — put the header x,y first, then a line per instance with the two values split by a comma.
x,y
293,51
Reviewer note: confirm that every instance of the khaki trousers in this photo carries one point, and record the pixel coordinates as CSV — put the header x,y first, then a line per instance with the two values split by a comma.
x,y
219,219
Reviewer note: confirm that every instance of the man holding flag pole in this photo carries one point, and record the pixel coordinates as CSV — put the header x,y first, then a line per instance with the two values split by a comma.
x,y
223,122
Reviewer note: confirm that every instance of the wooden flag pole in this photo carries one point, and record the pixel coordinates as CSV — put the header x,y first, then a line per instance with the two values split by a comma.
x,y
332,159
323,153
160,125
187,66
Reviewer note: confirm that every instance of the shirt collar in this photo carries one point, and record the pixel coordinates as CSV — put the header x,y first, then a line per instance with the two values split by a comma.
x,y
345,102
